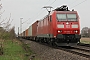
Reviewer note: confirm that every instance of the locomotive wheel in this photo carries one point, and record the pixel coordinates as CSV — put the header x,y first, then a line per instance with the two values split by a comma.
x,y
55,45
42,40
37,39
51,42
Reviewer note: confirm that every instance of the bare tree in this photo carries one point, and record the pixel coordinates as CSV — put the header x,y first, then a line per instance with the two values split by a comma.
x,y
5,26
12,32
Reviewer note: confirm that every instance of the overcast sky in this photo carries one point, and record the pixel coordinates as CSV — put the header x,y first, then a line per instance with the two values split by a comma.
x,y
31,10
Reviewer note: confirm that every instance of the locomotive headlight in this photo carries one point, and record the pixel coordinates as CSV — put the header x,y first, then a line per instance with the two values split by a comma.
x,y
74,26
59,31
60,26
75,31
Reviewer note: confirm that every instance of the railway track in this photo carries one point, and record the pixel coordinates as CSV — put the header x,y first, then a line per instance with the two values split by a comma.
x,y
82,44
79,50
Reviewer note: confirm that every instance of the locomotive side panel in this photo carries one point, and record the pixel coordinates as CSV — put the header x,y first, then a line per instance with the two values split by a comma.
x,y
45,28
54,23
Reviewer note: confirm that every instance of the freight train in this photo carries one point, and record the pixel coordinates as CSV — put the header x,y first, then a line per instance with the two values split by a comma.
x,y
60,27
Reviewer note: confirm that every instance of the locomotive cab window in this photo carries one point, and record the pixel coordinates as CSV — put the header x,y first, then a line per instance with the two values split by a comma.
x,y
61,17
71,17
66,17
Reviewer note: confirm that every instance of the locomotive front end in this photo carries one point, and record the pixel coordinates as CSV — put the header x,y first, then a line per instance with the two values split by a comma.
x,y
67,28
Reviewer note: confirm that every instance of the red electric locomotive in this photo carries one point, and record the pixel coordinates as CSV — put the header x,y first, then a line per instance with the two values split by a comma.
x,y
60,27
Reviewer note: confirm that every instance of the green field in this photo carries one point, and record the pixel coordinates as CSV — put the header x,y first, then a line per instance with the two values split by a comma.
x,y
13,51
85,40
12,48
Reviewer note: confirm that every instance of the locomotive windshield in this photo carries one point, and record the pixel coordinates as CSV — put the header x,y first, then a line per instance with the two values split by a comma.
x,y
71,17
66,17
61,17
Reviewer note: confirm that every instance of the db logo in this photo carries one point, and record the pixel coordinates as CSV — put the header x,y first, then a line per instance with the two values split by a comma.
x,y
67,26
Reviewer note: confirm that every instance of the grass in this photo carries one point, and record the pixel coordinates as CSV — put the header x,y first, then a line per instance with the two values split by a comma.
x,y
85,40
13,51
30,52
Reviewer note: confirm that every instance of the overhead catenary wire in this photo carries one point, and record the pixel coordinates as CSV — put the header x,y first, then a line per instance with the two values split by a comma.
x,y
25,21
73,2
47,2
53,2
44,10
39,10
79,3
39,13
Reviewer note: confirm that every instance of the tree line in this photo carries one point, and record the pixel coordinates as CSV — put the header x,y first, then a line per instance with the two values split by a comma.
x,y
85,32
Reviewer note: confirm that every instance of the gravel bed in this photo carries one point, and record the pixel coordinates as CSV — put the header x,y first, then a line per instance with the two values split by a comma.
x,y
47,53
